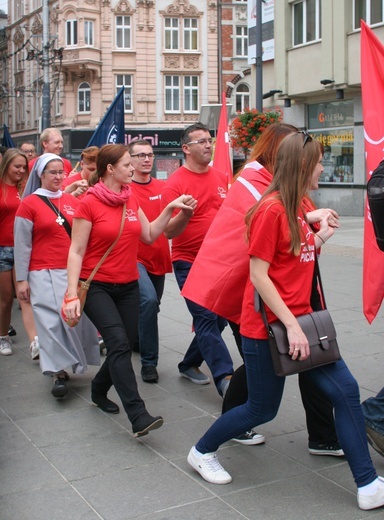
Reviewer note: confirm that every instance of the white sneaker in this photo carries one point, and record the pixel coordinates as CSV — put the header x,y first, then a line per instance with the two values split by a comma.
x,y
250,438
6,346
209,467
34,348
367,502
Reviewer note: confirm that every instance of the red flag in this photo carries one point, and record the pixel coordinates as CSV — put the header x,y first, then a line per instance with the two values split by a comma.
x,y
372,87
222,157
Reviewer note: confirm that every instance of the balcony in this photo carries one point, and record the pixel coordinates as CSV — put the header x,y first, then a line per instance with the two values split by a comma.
x,y
81,63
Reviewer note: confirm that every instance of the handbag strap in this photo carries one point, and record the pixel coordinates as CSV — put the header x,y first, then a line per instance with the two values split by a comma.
x,y
320,283
259,303
100,262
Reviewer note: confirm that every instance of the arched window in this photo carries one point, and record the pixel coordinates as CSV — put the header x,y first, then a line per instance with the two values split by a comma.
x,y
242,97
84,98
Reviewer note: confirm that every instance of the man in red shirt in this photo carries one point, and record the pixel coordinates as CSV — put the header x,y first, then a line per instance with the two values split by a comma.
x,y
51,141
153,261
209,187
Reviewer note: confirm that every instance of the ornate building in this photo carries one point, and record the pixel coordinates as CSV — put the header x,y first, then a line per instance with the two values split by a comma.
x,y
166,53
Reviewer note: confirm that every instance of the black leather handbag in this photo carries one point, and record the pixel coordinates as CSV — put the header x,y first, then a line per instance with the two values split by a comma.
x,y
319,330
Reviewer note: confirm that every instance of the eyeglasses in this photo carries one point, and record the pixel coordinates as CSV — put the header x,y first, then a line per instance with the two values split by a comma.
x,y
54,172
143,156
28,152
306,135
201,141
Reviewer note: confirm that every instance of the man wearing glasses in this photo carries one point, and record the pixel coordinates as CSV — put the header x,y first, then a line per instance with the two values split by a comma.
x,y
29,150
154,261
209,187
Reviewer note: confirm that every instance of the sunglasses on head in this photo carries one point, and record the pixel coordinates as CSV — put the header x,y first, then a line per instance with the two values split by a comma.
x,y
306,135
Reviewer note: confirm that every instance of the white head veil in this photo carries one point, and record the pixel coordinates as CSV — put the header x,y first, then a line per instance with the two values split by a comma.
x,y
34,179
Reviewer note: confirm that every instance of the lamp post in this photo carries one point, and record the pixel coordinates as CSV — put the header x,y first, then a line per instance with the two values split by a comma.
x,y
46,104
259,58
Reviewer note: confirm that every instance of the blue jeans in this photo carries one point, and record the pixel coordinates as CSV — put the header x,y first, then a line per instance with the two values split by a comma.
x,y
373,410
265,391
151,290
114,310
207,345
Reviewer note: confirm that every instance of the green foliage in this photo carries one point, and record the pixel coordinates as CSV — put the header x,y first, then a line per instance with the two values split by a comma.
x,y
247,127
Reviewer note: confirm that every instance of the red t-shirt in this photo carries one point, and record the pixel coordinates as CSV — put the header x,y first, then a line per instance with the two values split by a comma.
x,y
67,165
156,257
291,275
121,264
50,241
209,189
9,202
70,180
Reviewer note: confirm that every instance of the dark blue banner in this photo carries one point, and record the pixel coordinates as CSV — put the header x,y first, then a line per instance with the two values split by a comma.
x,y
111,127
7,139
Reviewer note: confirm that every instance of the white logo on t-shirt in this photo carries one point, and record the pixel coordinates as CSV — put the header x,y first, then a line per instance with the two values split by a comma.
x,y
131,215
68,209
307,250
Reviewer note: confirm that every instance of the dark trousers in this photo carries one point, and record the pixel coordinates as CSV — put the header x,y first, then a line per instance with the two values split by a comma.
x,y
114,310
318,408
207,345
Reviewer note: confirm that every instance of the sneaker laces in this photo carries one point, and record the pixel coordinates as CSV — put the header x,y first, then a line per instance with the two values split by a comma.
x,y
213,463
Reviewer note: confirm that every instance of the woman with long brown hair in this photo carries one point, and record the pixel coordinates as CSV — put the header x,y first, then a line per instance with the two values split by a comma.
x,y
13,177
218,277
282,249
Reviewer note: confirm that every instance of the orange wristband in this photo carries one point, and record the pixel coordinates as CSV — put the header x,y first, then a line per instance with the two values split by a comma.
x,y
68,300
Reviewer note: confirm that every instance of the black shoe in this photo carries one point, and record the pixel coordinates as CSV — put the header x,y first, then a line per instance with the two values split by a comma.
x,y
11,331
330,448
105,404
149,374
145,423
59,387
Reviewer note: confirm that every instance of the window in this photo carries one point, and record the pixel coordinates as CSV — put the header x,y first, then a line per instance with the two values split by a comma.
x,y
123,32
371,11
125,80
242,97
171,33
190,34
172,94
191,93
181,91
84,98
71,32
306,21
332,123
88,32
241,41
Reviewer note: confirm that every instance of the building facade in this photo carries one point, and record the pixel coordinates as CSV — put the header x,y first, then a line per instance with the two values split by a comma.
x,y
164,52
317,68
176,57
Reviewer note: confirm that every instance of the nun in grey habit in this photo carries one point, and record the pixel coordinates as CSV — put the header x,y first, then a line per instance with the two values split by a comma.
x,y
43,205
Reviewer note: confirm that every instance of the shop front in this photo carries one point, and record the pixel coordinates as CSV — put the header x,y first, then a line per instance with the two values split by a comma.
x,y
165,143
342,184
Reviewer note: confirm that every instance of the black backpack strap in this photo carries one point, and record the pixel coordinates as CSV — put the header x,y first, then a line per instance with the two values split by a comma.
x,y
66,224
